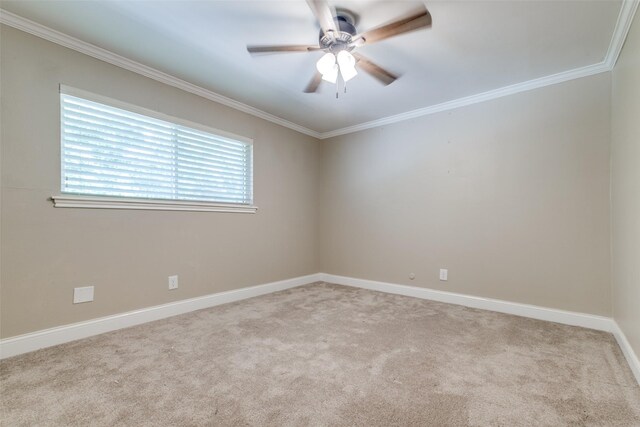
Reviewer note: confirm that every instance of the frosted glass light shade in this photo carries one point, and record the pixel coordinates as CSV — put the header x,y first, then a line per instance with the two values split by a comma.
x,y
326,63
328,68
331,75
347,64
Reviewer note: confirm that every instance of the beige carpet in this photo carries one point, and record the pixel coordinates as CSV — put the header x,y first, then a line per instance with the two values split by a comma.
x,y
324,354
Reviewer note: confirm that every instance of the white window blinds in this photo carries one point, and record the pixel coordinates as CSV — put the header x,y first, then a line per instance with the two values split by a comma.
x,y
108,151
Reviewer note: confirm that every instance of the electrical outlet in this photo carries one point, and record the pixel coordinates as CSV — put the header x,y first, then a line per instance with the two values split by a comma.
x,y
444,273
173,282
83,294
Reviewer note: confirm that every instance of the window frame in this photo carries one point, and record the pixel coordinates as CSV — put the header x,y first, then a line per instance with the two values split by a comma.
x,y
75,200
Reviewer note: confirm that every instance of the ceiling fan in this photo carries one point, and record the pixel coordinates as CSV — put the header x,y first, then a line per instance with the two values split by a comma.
x,y
339,39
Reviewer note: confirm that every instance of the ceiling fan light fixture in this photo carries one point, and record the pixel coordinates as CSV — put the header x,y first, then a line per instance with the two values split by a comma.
x,y
331,75
328,68
347,64
326,64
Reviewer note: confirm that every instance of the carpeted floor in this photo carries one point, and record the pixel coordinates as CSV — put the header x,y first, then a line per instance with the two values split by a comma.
x,y
324,354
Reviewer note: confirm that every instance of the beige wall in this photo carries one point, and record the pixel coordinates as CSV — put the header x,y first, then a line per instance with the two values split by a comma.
x,y
510,195
625,188
128,255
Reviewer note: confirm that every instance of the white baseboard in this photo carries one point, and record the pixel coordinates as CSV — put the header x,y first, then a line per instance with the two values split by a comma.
x,y
49,337
629,354
590,321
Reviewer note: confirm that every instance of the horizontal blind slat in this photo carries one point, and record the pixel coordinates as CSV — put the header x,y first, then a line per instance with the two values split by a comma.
x,y
90,145
186,165
203,155
186,195
127,115
187,134
186,158
209,152
110,188
121,193
199,175
109,172
211,186
183,177
75,132
116,136
114,122
73,157
210,145
188,162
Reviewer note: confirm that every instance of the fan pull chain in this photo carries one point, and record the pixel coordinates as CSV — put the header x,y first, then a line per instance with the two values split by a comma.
x,y
338,87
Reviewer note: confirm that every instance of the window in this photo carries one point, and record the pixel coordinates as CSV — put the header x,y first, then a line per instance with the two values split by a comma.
x,y
133,153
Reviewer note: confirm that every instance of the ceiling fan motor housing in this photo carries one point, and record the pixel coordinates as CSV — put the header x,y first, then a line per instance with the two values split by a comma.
x,y
336,42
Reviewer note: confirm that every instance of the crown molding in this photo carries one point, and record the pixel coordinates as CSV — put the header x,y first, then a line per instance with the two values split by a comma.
x,y
105,55
623,24
474,99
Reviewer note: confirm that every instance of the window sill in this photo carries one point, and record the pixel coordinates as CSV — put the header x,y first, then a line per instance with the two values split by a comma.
x,y
89,202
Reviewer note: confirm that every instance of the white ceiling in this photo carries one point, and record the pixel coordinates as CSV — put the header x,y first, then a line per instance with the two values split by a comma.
x,y
473,47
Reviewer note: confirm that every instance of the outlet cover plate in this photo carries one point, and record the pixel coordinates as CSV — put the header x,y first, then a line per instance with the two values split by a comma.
x,y
444,274
83,294
173,282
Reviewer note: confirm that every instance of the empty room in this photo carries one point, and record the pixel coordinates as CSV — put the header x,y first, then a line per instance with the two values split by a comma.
x,y
319,213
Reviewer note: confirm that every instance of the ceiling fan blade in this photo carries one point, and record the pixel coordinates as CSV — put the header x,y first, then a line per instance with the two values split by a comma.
x,y
281,49
384,76
414,21
324,14
314,83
